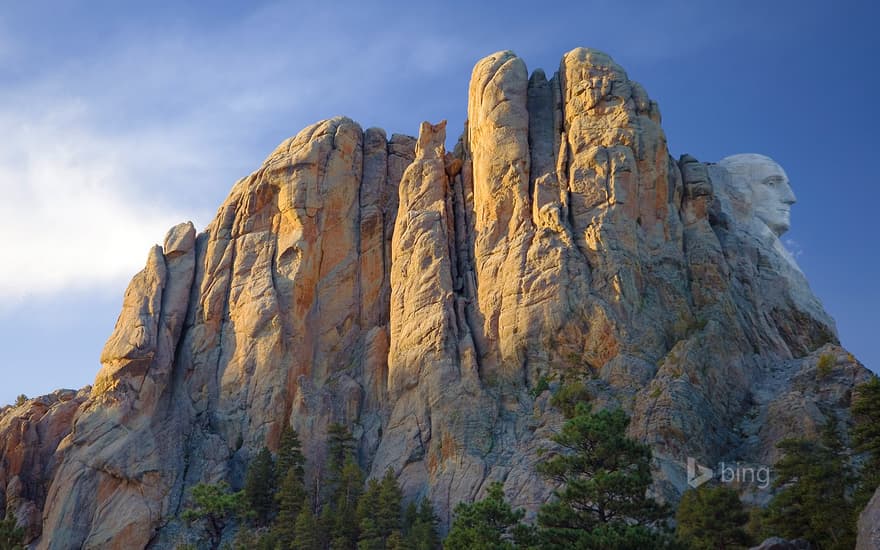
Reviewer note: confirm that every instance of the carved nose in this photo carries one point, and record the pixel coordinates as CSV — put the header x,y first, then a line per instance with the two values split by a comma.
x,y
788,195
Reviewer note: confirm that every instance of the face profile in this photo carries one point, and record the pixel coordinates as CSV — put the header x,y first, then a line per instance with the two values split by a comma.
x,y
765,182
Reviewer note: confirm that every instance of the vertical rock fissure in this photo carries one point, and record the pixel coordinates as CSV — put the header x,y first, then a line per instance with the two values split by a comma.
x,y
529,258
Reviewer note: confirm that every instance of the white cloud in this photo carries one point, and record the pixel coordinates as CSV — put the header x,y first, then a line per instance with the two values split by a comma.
x,y
102,154
105,150
793,247
74,213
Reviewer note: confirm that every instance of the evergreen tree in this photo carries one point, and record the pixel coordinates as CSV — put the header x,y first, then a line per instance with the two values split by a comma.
x,y
290,498
290,454
421,527
866,437
390,501
254,539
340,447
370,536
604,477
757,527
344,527
259,488
712,518
568,396
410,517
214,505
307,535
379,514
488,524
396,541
814,478
11,537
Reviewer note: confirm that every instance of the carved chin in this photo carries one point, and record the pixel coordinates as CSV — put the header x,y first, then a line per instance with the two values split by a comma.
x,y
779,227
777,222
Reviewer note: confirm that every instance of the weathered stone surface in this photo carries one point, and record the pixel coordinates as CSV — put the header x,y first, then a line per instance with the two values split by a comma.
x,y
122,457
420,296
869,525
30,434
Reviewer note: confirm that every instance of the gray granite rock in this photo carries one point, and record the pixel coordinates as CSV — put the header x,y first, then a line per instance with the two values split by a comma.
x,y
869,525
420,296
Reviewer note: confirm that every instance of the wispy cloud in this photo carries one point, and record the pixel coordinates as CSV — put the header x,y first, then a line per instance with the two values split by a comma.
x,y
148,125
793,247
104,152
68,217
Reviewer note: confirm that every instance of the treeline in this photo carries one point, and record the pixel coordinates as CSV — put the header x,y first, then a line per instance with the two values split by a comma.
x,y
602,499
601,502
275,510
822,484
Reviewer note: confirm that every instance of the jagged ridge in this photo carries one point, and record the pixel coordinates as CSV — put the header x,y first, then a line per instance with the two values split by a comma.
x,y
419,296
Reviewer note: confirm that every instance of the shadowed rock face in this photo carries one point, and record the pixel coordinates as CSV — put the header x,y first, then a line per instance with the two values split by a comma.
x,y
764,190
420,297
869,525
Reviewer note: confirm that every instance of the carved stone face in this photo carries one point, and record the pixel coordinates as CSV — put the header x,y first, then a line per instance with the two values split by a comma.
x,y
766,183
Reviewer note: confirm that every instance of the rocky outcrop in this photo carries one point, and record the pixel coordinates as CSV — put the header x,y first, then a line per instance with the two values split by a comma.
x,y
30,434
115,475
869,525
433,300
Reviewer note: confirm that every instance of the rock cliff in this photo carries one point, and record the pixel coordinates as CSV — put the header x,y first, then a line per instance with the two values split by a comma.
x,y
432,301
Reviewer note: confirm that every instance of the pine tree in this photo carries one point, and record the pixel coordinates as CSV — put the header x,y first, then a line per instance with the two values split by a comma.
x,y
290,454
254,539
259,488
307,534
421,527
340,447
370,536
290,498
866,438
488,524
344,529
813,502
568,396
214,505
410,517
379,514
390,504
712,518
396,541
603,477
11,537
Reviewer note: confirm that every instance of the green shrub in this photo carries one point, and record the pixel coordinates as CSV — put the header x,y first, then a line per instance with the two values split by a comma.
x,y
825,365
568,396
542,386
11,537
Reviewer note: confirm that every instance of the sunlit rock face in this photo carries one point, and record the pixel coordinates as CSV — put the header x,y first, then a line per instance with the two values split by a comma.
x,y
432,301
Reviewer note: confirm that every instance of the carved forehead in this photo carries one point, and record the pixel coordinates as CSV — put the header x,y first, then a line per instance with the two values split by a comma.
x,y
752,167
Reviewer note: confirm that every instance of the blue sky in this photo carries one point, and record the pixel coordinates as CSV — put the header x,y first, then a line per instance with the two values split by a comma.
x,y
121,119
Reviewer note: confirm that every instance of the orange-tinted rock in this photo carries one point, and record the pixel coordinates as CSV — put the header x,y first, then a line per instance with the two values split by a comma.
x,y
420,297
